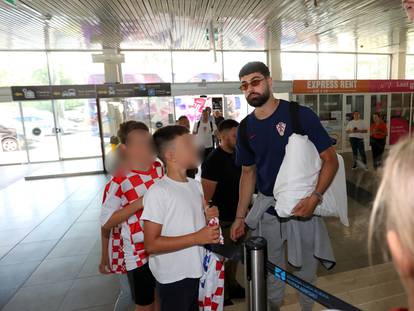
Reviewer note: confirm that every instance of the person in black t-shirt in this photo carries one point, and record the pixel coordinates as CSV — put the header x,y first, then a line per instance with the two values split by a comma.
x,y
220,178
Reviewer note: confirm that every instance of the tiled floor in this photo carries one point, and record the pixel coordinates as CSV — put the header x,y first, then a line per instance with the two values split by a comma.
x,y
50,247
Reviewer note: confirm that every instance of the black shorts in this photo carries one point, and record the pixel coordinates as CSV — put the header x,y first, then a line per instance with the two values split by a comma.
x,y
142,284
181,295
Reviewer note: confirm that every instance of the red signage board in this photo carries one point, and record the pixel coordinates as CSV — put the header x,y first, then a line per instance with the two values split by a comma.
x,y
352,86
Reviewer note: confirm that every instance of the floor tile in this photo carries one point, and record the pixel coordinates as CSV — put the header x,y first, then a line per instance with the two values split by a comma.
x,y
90,215
109,307
91,292
90,268
84,229
73,247
14,275
41,297
25,252
4,250
6,294
56,270
12,237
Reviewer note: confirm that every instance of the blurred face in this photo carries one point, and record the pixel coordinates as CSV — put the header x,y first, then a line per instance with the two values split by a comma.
x,y
256,88
357,115
208,110
184,152
205,114
376,118
139,147
184,122
408,6
229,137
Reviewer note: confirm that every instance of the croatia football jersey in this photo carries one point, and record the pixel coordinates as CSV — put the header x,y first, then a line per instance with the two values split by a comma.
x,y
125,188
116,244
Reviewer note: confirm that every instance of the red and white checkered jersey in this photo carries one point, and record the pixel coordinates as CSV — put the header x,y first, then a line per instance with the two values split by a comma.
x,y
125,188
116,244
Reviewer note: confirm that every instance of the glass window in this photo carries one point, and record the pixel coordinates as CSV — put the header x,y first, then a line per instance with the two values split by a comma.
x,y
12,148
147,67
234,61
236,107
409,67
310,101
75,68
336,66
330,114
161,112
400,117
373,66
197,66
299,66
23,68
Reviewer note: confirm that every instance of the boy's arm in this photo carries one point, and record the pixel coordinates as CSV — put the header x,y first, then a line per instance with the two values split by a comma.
x,y
156,243
123,214
104,265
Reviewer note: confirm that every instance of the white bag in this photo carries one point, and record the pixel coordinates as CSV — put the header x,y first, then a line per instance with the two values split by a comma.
x,y
298,177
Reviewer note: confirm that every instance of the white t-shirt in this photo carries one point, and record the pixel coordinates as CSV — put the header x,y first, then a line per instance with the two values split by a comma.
x,y
178,207
204,133
360,125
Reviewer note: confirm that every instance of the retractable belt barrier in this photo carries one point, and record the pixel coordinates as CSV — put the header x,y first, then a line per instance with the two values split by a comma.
x,y
254,257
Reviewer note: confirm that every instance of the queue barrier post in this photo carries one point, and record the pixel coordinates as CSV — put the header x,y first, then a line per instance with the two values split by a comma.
x,y
255,256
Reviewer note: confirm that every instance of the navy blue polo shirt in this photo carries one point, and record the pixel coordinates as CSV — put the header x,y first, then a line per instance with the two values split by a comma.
x,y
269,137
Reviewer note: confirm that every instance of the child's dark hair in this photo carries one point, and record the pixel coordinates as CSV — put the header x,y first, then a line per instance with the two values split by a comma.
x,y
227,125
127,127
164,136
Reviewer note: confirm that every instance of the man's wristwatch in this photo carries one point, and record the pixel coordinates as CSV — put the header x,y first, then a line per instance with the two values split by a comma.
x,y
319,195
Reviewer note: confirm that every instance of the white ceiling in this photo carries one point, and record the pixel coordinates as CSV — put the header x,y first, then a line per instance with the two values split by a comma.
x,y
330,25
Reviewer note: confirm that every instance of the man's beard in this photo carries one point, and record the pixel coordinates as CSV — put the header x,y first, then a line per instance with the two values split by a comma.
x,y
258,101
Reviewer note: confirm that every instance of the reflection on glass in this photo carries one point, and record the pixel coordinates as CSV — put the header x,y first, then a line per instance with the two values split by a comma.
x,y
64,68
115,111
336,66
400,117
79,131
299,66
234,61
310,101
379,105
409,67
373,66
12,143
39,125
192,106
330,114
23,68
197,66
161,112
236,108
147,67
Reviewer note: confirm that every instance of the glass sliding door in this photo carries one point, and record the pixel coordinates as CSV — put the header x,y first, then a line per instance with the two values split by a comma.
x,y
12,141
40,128
330,114
78,129
400,117
161,112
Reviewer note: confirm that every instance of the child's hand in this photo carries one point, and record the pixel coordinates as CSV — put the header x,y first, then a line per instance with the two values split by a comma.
x,y
208,235
104,266
211,212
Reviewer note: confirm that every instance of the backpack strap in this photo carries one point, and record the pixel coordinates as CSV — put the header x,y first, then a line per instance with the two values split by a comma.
x,y
294,116
244,140
198,126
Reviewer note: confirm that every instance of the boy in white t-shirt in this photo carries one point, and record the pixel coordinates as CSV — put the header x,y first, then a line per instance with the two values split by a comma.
x,y
356,130
175,222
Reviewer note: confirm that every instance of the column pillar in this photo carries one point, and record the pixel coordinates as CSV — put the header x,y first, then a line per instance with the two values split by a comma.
x,y
274,61
399,53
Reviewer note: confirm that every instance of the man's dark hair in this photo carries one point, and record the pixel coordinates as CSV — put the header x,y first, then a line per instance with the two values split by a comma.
x,y
182,117
127,127
227,125
253,67
164,136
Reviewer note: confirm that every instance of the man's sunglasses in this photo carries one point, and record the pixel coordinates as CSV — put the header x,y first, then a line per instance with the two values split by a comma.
x,y
255,82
